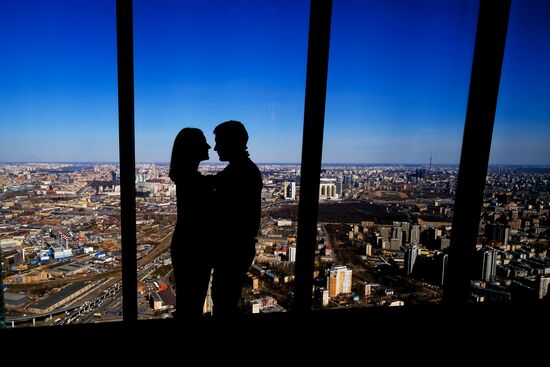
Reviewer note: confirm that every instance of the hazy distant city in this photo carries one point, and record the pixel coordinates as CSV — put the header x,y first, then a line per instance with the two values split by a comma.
x,y
383,237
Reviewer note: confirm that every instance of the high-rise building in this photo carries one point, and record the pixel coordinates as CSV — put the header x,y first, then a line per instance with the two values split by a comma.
x,y
427,237
255,307
444,243
325,297
367,289
410,258
253,281
368,249
113,176
289,189
544,286
487,260
348,181
431,267
292,253
496,232
415,234
327,189
208,304
385,232
395,244
442,261
339,186
406,231
397,233
339,281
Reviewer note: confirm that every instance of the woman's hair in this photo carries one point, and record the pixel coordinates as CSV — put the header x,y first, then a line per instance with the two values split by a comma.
x,y
185,150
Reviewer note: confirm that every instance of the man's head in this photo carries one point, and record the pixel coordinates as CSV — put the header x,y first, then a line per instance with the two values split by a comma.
x,y
231,139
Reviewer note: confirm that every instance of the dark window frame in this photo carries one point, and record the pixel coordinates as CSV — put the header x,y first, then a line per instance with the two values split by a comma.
x,y
125,63
492,27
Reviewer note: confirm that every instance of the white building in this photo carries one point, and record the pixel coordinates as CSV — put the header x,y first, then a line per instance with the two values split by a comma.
x,y
339,281
289,190
325,298
292,253
327,189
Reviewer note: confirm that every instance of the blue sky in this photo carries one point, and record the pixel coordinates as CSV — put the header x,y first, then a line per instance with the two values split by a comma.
x,y
397,87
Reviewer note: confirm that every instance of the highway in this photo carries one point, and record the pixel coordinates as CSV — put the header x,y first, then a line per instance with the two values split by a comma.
x,y
108,298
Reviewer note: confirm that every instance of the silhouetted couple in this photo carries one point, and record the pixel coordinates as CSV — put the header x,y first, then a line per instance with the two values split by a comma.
x,y
218,219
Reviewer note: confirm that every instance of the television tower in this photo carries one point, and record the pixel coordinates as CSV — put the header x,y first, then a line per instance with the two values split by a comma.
x,y
430,168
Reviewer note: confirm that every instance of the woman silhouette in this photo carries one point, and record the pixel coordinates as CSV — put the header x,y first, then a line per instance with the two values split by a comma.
x,y
190,259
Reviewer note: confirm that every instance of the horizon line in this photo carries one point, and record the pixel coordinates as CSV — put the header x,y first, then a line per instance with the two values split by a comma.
x,y
284,163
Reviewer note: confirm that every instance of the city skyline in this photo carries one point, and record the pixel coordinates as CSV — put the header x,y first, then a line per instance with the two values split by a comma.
x,y
324,164
397,85
383,238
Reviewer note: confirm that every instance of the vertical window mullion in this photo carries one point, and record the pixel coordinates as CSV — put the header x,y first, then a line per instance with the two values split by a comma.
x,y
125,56
492,26
312,149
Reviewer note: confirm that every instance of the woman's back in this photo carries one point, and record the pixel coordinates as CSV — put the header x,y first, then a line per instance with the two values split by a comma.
x,y
194,202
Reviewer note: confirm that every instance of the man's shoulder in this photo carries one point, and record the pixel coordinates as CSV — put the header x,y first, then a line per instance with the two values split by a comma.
x,y
239,167
243,172
253,166
255,171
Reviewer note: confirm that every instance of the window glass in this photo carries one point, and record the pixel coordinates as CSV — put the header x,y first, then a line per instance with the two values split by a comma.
x,y
59,190
198,64
398,81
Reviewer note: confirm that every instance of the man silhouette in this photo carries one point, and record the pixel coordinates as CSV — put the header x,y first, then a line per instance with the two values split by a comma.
x,y
237,196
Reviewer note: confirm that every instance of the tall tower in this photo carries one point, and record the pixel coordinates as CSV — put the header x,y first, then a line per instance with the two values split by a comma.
x,y
487,260
410,258
496,232
207,307
292,253
406,226
415,234
397,234
442,261
543,286
339,186
289,189
339,281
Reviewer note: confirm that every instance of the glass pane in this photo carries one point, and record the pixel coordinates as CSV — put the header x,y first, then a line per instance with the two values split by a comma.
x,y
397,89
198,64
59,200
512,260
